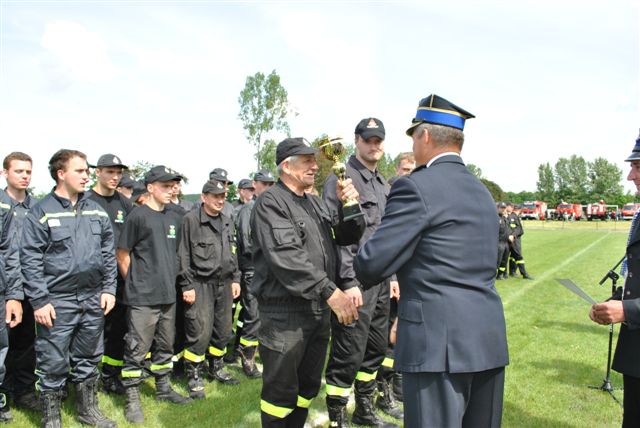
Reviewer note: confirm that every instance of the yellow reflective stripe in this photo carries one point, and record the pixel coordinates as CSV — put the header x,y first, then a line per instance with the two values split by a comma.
x,y
366,377
246,342
519,262
56,215
148,356
194,358
158,367
177,357
502,269
338,391
131,373
95,212
112,361
304,402
387,362
239,324
277,411
217,352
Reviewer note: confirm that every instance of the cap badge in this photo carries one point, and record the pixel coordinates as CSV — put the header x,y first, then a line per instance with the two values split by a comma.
x,y
116,160
372,124
218,185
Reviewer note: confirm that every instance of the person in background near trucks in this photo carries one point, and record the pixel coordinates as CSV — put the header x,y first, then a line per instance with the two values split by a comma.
x,y
624,308
503,242
20,380
69,268
515,232
147,259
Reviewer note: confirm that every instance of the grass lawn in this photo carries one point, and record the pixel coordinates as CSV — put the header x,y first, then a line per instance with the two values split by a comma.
x,y
555,350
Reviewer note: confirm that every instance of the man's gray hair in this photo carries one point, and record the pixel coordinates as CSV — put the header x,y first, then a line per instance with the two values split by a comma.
x,y
441,135
290,159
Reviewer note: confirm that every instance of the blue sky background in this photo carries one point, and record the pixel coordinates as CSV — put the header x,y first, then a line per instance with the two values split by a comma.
x,y
159,81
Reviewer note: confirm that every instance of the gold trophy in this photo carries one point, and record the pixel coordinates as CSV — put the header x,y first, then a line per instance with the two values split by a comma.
x,y
332,149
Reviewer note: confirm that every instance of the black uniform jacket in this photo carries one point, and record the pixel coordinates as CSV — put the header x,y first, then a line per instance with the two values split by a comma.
x,y
295,254
627,356
439,234
515,225
206,250
503,232
67,251
243,236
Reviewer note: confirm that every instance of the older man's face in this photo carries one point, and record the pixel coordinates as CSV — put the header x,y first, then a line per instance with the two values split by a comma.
x,y
303,170
634,175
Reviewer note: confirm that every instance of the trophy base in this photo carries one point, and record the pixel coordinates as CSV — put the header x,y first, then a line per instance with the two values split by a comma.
x,y
350,212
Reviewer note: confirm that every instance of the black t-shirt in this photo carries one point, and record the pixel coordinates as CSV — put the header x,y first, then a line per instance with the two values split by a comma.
x,y
151,238
117,207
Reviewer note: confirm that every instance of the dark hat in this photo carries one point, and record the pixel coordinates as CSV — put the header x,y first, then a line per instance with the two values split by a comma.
x,y
265,176
293,146
127,180
220,174
502,205
108,160
214,187
635,153
370,127
161,173
138,189
437,110
245,183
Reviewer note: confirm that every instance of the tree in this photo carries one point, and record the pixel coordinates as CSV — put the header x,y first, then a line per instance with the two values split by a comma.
x,y
268,156
387,166
263,107
545,186
604,180
473,169
572,179
496,191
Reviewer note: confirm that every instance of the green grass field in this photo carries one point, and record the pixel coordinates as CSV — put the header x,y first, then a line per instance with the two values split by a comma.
x,y
555,351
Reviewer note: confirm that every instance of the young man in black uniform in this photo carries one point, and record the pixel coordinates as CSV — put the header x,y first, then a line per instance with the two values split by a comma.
x,y
357,350
109,170
295,260
69,269
125,187
503,242
516,261
147,259
21,359
205,264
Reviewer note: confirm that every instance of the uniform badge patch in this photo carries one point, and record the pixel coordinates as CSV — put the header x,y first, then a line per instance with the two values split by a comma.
x,y
172,232
119,217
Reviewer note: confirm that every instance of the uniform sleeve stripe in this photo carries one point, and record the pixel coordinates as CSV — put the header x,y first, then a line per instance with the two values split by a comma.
x,y
57,215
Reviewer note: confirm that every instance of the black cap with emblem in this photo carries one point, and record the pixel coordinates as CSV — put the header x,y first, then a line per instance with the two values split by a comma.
x,y
265,176
214,187
220,174
107,161
291,147
161,173
370,127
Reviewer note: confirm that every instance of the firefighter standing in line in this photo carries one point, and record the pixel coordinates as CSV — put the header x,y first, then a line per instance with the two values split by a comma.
x,y
516,261
295,262
21,359
69,269
248,336
503,242
147,259
205,263
358,349
108,170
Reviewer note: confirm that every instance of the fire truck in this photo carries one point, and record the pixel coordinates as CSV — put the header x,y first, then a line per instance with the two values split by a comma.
x,y
533,210
629,210
600,210
566,211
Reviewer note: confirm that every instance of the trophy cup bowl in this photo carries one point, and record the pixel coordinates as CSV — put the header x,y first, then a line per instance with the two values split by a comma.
x,y
332,149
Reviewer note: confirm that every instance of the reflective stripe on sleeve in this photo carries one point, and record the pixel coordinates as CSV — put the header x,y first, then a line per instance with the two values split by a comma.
x,y
273,410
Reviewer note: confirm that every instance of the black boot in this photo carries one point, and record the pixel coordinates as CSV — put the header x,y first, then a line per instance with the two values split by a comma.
x,y
337,415
297,418
27,400
523,271
504,275
50,403
499,276
231,357
386,401
195,382
164,391
133,408
365,414
87,405
217,372
112,385
397,383
5,411
248,356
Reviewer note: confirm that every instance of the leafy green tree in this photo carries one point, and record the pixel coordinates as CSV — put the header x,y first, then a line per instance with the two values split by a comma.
x,y
264,106
268,156
545,186
496,191
475,170
604,180
520,197
572,179
387,166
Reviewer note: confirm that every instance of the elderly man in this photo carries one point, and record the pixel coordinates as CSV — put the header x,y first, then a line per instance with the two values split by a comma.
x,y
624,308
295,265
451,341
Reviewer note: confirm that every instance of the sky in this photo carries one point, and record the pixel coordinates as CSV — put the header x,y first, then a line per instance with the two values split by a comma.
x,y
159,81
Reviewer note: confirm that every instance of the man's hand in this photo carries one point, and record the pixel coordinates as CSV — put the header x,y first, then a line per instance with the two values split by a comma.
x,y
45,315
356,295
393,332
107,302
14,312
610,312
394,290
235,290
343,307
189,296
511,238
346,191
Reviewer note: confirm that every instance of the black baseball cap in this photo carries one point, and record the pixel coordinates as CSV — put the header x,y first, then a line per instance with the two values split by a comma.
x,y
291,147
127,180
108,160
370,127
214,187
161,173
245,183
138,189
220,174
265,176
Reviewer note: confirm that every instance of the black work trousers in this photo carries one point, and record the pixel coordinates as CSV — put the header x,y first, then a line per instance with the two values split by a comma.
x,y
115,328
4,341
293,346
147,325
515,255
358,349
249,314
21,358
503,256
631,407
221,332
73,346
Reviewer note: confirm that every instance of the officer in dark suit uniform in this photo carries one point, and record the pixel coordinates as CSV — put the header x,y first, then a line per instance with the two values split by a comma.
x,y
624,307
451,341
